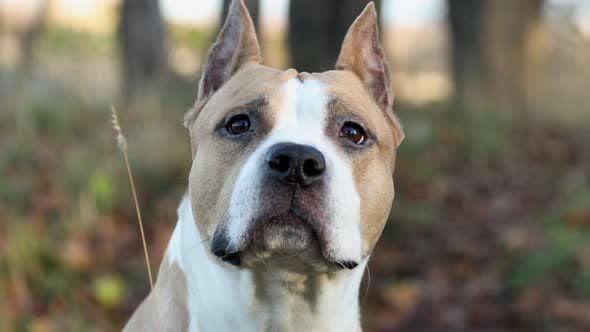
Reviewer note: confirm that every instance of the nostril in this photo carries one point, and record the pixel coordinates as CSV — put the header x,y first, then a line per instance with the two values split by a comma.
x,y
295,164
312,167
280,163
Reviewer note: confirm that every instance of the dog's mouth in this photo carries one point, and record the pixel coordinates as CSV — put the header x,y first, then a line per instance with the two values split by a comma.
x,y
287,233
286,239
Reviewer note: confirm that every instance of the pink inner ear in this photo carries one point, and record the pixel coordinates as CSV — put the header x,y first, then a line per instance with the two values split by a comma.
x,y
378,80
377,69
236,45
219,61
214,77
362,54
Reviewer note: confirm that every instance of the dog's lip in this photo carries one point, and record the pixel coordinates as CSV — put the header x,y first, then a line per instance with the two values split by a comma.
x,y
299,218
290,217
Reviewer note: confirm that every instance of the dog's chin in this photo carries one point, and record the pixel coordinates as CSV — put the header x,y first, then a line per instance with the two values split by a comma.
x,y
287,241
286,234
284,242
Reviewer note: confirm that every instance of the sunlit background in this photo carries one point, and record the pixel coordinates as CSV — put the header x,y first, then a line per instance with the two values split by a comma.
x,y
490,230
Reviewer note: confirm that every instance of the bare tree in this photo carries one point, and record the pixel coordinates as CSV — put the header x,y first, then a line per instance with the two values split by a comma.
x,y
30,36
494,54
143,45
465,30
316,31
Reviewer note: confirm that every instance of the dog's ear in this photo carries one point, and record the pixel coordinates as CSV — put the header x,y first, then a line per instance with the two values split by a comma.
x,y
236,45
363,55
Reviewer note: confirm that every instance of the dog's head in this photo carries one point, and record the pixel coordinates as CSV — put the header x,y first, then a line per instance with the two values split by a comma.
x,y
293,168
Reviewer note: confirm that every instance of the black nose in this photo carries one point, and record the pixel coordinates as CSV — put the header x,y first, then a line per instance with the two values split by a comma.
x,y
295,164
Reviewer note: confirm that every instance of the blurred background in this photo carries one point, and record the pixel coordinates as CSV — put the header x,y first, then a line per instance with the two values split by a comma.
x,y
490,229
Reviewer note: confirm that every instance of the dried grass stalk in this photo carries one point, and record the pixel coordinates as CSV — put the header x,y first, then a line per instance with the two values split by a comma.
x,y
122,143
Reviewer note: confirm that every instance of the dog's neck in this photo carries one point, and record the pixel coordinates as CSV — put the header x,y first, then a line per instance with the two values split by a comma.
x,y
223,298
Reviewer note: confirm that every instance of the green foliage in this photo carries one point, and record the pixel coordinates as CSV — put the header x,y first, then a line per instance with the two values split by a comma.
x,y
23,323
109,290
26,247
536,266
30,253
192,37
60,40
582,283
15,156
103,189
414,211
44,118
487,134
15,192
558,258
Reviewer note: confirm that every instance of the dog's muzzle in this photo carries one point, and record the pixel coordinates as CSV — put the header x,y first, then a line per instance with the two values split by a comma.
x,y
291,213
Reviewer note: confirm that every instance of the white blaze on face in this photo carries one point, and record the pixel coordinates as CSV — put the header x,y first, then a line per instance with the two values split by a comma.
x,y
301,120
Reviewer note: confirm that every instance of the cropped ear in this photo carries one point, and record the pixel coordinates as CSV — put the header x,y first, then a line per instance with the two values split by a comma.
x,y
236,46
363,55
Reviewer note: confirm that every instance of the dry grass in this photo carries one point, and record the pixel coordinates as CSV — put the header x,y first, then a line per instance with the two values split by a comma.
x,y
122,143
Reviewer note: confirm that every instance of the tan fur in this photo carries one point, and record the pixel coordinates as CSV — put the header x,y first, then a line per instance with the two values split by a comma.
x,y
171,292
360,90
236,46
361,67
372,168
217,161
363,55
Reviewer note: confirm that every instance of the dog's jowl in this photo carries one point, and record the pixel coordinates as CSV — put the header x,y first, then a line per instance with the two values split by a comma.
x,y
290,187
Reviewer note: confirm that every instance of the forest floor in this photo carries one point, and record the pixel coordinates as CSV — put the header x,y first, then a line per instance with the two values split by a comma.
x,y
489,231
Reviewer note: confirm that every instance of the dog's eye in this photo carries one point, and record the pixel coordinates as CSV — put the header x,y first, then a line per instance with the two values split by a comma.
x,y
238,124
353,132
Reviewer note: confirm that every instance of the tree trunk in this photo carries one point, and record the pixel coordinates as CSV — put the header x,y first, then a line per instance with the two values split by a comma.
x,y
30,36
142,42
316,31
466,57
510,52
495,53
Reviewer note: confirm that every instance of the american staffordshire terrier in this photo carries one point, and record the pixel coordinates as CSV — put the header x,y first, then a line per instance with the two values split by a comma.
x,y
290,187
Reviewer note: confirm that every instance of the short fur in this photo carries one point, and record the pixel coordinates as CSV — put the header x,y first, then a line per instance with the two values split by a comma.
x,y
302,251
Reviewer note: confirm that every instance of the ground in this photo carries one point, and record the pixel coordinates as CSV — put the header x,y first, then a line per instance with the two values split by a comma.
x,y
490,228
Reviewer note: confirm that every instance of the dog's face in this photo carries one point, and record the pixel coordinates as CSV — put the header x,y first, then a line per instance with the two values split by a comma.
x,y
292,168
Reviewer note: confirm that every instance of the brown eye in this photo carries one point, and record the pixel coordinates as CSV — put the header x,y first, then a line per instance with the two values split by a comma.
x,y
353,132
238,124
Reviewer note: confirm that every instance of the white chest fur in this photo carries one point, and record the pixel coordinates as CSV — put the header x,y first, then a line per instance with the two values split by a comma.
x,y
223,298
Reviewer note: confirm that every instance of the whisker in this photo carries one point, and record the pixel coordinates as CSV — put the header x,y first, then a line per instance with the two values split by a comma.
x,y
265,264
200,242
368,283
216,205
283,257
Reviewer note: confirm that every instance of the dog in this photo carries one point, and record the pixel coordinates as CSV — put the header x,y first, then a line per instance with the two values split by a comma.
x,y
290,187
